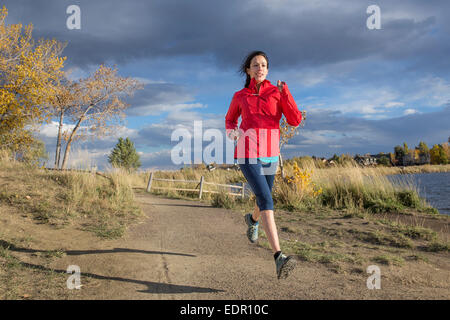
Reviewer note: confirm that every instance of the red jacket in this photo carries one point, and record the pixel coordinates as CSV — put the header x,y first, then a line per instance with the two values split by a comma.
x,y
261,113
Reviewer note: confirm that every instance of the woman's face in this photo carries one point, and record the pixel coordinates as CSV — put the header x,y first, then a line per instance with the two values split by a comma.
x,y
258,68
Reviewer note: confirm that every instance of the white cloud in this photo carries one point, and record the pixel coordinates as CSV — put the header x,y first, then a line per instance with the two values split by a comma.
x,y
157,109
82,158
159,160
49,130
363,100
313,137
311,78
410,111
431,91
368,109
394,104
149,81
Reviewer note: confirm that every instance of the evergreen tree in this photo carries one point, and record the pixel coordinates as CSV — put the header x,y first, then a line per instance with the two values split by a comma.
x,y
384,161
335,158
399,153
124,155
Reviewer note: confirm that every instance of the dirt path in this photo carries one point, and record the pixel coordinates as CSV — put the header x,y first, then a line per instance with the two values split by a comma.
x,y
189,250
186,249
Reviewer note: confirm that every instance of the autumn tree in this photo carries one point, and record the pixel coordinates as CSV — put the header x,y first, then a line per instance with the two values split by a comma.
x,y
446,149
405,148
423,148
67,96
28,72
34,154
422,153
438,155
392,158
100,106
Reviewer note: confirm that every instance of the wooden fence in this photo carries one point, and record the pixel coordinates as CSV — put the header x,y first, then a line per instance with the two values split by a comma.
x,y
80,170
198,188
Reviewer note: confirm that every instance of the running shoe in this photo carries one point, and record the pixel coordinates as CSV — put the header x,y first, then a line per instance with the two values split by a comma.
x,y
284,265
252,231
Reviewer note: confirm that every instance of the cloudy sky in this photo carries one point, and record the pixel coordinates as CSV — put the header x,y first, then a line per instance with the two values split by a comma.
x,y
364,90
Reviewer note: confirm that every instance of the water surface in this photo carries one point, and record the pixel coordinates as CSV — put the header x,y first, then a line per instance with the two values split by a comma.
x,y
434,187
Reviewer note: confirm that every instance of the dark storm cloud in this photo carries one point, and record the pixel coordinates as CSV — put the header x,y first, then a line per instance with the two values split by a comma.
x,y
155,135
301,33
157,98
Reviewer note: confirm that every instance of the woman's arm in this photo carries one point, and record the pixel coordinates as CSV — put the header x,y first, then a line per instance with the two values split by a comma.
x,y
231,119
288,106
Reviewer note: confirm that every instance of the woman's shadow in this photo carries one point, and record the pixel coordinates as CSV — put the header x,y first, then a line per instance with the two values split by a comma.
x,y
152,287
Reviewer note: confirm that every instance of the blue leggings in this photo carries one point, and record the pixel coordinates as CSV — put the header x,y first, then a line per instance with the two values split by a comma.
x,y
260,176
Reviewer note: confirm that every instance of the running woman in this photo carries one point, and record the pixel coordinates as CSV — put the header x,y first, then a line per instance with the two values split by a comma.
x,y
261,105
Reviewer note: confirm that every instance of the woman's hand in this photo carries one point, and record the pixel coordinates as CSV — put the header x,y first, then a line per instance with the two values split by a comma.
x,y
280,85
234,134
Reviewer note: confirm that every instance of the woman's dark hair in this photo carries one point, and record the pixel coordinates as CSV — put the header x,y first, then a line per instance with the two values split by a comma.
x,y
246,64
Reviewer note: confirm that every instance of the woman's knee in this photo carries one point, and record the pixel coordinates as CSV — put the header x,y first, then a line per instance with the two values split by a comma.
x,y
265,203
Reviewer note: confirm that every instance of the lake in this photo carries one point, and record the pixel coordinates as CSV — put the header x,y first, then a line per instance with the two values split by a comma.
x,y
434,187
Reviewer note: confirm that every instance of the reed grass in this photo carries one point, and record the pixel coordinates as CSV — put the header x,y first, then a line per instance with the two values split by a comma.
x,y
346,187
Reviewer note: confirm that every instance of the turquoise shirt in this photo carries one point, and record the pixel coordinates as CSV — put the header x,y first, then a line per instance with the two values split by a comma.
x,y
263,159
269,159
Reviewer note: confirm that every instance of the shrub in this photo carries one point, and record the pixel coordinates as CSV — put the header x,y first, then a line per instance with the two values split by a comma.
x,y
222,200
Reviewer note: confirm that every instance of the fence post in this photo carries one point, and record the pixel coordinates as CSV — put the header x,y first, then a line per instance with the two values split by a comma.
x,y
150,182
201,187
243,190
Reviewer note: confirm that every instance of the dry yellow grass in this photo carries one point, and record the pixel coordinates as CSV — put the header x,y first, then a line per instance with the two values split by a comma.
x,y
105,206
346,186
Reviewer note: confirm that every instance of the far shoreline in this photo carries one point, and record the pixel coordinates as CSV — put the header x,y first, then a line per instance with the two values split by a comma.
x,y
427,168
439,168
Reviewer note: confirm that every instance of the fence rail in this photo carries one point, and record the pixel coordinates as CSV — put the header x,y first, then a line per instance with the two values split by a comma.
x,y
80,170
198,188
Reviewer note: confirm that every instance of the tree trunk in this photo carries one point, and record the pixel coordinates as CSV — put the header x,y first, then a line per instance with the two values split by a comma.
x,y
66,153
58,142
69,142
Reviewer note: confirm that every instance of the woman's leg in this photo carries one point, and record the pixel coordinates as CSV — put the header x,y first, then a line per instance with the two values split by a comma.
x,y
268,218
262,188
270,228
270,178
261,185
256,213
